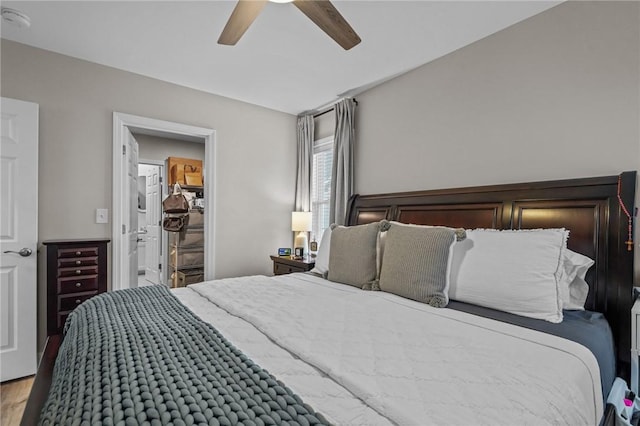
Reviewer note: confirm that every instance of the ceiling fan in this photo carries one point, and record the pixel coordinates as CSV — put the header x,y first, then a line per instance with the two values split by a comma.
x,y
321,12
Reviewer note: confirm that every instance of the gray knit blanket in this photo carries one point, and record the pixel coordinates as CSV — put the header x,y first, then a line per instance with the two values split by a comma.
x,y
139,356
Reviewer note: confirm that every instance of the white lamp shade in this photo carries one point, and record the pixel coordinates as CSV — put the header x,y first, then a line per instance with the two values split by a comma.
x,y
301,221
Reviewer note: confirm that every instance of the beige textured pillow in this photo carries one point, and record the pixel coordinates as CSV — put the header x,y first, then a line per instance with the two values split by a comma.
x,y
416,262
352,256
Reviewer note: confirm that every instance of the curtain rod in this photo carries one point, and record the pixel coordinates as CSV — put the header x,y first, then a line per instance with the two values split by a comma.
x,y
323,112
329,109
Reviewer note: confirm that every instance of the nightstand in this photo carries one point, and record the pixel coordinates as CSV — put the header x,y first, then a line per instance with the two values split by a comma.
x,y
635,342
286,265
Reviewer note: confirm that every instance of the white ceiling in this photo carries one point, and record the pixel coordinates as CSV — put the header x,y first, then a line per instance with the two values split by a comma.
x,y
283,61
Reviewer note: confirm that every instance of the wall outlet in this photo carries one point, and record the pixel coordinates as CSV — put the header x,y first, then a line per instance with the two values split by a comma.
x,y
102,215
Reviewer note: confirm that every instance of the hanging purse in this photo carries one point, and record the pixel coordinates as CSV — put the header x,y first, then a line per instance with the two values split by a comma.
x,y
173,223
176,202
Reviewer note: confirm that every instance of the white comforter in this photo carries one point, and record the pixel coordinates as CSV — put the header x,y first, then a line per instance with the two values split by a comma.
x,y
392,360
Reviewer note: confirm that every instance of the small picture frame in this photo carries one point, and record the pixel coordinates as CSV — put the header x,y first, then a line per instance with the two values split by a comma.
x,y
299,251
313,246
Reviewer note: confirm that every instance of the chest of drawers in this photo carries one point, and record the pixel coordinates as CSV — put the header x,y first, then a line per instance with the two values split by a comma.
x,y
76,271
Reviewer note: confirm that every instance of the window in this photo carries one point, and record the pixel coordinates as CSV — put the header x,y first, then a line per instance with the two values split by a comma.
x,y
321,185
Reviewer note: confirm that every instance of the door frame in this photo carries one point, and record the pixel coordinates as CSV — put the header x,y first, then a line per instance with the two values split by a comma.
x,y
123,122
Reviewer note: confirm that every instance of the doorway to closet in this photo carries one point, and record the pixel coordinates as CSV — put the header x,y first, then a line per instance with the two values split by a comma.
x,y
125,265
154,184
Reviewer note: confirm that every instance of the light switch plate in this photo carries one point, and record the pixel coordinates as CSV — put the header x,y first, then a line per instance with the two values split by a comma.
x,y
102,215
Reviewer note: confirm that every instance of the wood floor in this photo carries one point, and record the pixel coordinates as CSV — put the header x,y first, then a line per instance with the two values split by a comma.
x,y
13,395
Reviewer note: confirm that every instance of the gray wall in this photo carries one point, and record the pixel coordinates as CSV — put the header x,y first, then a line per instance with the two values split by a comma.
x,y
255,155
555,96
160,148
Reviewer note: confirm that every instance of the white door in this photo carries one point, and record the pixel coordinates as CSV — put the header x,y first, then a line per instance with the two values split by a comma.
x,y
131,205
18,238
153,204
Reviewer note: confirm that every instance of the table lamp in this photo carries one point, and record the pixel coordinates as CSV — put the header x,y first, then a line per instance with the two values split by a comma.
x,y
301,223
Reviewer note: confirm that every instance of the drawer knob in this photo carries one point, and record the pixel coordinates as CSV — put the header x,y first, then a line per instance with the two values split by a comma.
x,y
78,271
78,262
78,253
78,284
78,301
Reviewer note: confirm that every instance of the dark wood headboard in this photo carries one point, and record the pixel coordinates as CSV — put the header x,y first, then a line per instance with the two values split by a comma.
x,y
588,207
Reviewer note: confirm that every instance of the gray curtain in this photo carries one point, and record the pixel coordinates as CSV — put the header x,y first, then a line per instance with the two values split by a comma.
x,y
342,173
305,163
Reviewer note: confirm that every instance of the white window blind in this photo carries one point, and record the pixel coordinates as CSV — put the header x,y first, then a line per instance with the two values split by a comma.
x,y
321,185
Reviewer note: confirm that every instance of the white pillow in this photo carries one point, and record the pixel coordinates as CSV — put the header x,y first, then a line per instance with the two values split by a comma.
x,y
322,258
516,271
573,288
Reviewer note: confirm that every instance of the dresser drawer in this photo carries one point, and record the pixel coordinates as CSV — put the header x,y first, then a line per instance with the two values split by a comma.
x,y
74,285
62,317
77,252
69,302
78,271
67,262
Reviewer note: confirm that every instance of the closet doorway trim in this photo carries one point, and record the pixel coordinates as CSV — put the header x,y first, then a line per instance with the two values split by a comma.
x,y
126,122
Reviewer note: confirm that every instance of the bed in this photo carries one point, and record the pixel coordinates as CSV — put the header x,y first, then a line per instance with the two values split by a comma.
x,y
348,356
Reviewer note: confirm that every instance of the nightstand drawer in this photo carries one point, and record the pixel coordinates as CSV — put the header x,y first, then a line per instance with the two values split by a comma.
x,y
280,269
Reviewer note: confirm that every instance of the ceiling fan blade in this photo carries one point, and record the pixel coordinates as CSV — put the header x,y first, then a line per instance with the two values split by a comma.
x,y
327,17
241,18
